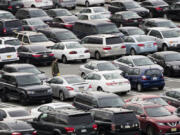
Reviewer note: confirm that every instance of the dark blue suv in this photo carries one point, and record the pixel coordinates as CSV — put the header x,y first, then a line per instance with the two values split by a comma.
x,y
141,78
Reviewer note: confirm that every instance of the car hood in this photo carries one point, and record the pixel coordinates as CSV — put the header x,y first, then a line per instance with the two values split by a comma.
x,y
35,87
170,108
152,66
173,63
165,119
139,9
47,43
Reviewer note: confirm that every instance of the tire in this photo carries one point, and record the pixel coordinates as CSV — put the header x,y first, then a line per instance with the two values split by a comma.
x,y
4,97
139,87
99,89
61,96
164,48
83,75
84,60
97,56
102,4
161,87
23,100
64,60
87,4
150,131
33,6
132,52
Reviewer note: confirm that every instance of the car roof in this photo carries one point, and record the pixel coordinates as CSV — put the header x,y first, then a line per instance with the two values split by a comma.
x,y
105,72
160,28
57,9
65,17
4,11
135,36
129,27
144,96
156,19
97,62
94,22
165,52
68,76
102,35
123,1
14,122
57,104
23,65
145,104
30,9
32,19
114,110
53,30
18,74
29,33
123,12
7,38
134,56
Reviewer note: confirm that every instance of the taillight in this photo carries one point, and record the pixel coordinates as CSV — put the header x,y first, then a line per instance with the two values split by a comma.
x,y
155,44
110,84
4,30
73,52
34,133
9,7
113,127
51,54
87,51
95,127
69,129
144,77
36,55
16,133
107,48
69,88
159,8
123,46
90,86
68,25
141,45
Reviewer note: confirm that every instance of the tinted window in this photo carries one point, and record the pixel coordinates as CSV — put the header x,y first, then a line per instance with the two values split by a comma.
x,y
106,66
122,118
65,35
13,42
152,72
107,29
157,112
111,102
113,40
15,23
80,119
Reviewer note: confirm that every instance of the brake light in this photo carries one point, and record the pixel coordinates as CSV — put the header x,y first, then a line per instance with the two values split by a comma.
x,y
32,28
16,133
4,30
141,45
69,88
51,54
107,48
158,8
144,78
155,44
90,86
95,127
69,129
36,55
123,46
68,25
87,51
110,84
73,52
113,127
34,133
9,7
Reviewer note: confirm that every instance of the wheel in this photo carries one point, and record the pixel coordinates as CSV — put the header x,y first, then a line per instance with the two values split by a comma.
x,y
64,59
83,75
132,52
164,48
84,60
139,87
124,93
23,100
161,87
99,89
33,6
150,131
4,97
61,96
97,56
87,4
102,4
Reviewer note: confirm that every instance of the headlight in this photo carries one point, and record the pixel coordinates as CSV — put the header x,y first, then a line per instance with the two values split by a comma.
x,y
160,124
175,67
173,42
49,91
30,92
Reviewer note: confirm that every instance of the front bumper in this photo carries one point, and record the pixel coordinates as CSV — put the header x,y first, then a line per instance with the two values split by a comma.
x,y
78,56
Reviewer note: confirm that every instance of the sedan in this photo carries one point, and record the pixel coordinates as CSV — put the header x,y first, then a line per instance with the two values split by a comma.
x,y
169,60
174,11
58,12
128,31
70,51
92,17
108,81
140,44
67,86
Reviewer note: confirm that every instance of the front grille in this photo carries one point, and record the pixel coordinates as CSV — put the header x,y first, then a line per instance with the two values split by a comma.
x,y
172,124
41,92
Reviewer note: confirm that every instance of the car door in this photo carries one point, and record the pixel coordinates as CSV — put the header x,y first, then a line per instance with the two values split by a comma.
x,y
94,80
88,68
130,44
123,64
14,90
133,76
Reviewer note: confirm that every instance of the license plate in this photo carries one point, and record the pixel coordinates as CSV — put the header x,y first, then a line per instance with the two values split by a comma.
x,y
44,55
17,6
135,20
9,56
83,130
81,56
173,129
127,126
154,78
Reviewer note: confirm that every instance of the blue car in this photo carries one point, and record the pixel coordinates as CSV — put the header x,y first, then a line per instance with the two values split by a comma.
x,y
140,44
142,78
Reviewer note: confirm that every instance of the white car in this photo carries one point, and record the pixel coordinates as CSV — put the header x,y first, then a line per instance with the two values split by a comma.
x,y
92,17
88,3
45,4
11,112
35,112
10,41
108,81
69,51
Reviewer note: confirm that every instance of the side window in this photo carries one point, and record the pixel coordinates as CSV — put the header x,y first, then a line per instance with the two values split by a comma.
x,y
155,34
59,81
128,62
20,37
89,77
88,11
25,39
96,77
129,39
149,24
61,47
43,117
170,93
3,113
139,111
54,80
133,71
83,17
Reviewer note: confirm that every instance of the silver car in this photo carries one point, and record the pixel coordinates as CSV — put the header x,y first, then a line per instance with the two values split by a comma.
x,y
67,86
64,3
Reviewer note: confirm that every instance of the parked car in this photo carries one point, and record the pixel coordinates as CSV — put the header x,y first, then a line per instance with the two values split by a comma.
x,y
93,27
170,2
24,87
49,107
177,112
33,24
128,5
16,127
157,8
89,16
169,60
10,68
96,99
128,31
141,78
140,44
120,121
10,41
6,15
65,4
58,12
67,86
35,54
59,35
9,26
172,97
70,51
98,66
65,121
96,10
108,81
173,11
156,99
155,119
104,45
88,3
125,63
126,18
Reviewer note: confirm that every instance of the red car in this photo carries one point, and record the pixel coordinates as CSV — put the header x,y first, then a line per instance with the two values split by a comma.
x,y
151,98
155,119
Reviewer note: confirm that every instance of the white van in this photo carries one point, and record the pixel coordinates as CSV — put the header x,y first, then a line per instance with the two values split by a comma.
x,y
45,4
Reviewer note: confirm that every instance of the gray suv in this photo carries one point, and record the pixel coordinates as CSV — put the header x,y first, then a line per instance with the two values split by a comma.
x,y
65,3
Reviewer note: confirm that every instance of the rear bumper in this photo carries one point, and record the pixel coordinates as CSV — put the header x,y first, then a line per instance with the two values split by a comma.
x,y
153,84
38,98
67,5
127,133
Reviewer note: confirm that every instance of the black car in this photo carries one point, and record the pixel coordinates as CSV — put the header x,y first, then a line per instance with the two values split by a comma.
x,y
65,122
58,12
35,54
169,60
59,35
126,18
157,8
113,121
172,97
128,31
9,26
170,2
174,11
128,5
11,5
94,99
25,13
64,22
16,128
10,68
24,87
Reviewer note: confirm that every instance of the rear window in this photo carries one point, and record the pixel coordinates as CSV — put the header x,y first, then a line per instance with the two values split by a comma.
x,y
153,72
144,38
14,23
82,119
113,40
18,113
7,50
122,118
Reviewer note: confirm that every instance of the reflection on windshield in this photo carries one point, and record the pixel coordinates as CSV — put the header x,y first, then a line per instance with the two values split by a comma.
x,y
30,70
157,112
166,24
38,38
111,102
74,79
131,5
157,100
28,80
172,57
106,66
142,61
107,29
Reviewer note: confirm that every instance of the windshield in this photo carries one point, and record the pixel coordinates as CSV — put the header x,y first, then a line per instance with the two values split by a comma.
x,y
74,79
131,5
38,38
70,19
156,3
63,13
28,80
65,35
29,70
144,38
168,24
136,31
129,15
142,61
6,16
36,22
113,40
157,100
111,102
170,34
37,13
106,66
157,112
107,29
73,45
112,76
13,42
99,10
19,113
172,57
94,17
